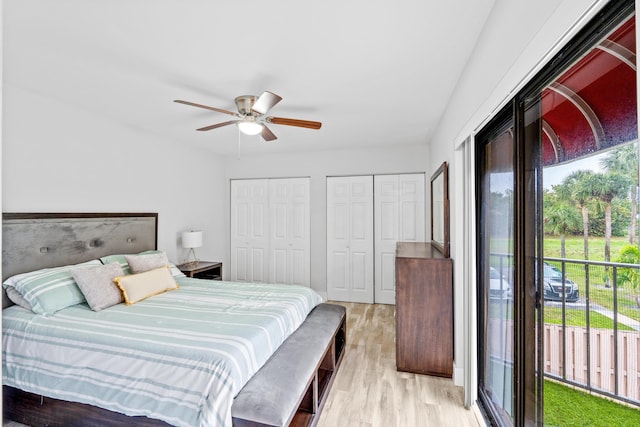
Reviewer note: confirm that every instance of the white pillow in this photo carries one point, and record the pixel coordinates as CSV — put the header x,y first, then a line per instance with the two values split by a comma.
x,y
120,258
97,285
17,299
146,262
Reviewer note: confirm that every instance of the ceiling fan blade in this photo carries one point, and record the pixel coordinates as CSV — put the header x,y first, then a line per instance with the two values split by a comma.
x,y
294,122
265,102
267,135
218,125
193,104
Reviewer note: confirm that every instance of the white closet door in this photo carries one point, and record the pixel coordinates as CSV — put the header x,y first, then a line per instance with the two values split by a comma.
x,y
249,230
289,231
411,198
350,238
386,235
399,217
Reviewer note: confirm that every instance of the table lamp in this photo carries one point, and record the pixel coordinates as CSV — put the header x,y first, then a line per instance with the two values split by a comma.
x,y
191,240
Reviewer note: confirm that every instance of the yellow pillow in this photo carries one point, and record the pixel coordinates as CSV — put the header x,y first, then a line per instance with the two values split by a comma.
x,y
136,287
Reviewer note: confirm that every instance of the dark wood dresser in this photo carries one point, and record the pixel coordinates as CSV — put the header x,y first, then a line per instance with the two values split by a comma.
x,y
424,310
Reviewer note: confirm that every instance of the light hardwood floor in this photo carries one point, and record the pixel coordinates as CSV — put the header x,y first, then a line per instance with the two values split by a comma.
x,y
368,391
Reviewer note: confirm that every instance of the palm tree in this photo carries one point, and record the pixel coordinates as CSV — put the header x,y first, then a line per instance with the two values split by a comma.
x,y
560,219
605,187
624,160
575,188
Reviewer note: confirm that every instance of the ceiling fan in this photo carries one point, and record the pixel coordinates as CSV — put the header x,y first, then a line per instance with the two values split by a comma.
x,y
251,118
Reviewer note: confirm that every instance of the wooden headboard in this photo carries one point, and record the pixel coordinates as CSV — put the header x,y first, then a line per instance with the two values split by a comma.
x,y
31,241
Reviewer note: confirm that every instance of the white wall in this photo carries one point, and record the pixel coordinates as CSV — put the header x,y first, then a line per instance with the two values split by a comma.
x,y
319,165
57,158
517,40
60,159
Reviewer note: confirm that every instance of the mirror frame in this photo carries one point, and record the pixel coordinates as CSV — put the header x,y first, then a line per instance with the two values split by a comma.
x,y
440,206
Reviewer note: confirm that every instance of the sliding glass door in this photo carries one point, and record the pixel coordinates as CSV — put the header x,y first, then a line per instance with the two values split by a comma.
x,y
584,102
508,213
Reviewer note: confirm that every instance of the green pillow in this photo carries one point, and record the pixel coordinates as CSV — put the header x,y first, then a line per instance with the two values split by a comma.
x,y
50,289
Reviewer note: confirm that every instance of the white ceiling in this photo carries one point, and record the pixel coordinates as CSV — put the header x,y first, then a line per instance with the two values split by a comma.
x,y
374,72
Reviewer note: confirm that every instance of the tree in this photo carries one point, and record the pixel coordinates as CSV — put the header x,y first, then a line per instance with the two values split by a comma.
x,y
624,160
620,218
605,187
576,188
630,254
500,213
561,218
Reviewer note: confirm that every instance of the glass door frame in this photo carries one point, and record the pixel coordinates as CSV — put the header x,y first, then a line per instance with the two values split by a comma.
x,y
502,121
526,214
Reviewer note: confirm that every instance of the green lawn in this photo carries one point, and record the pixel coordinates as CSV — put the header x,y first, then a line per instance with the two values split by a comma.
x,y
574,247
598,292
553,315
567,407
626,300
578,317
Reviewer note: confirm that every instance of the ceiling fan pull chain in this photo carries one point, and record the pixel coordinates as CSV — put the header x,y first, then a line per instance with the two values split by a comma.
x,y
239,136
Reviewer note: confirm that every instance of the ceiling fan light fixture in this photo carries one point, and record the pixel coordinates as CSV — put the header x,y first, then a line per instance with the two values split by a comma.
x,y
249,127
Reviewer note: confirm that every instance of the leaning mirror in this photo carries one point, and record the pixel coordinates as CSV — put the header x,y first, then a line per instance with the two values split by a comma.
x,y
440,210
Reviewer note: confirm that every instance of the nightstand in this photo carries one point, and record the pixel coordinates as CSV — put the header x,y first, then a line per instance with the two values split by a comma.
x,y
202,270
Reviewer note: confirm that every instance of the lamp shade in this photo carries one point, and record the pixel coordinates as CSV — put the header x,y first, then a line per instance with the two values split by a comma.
x,y
192,239
250,127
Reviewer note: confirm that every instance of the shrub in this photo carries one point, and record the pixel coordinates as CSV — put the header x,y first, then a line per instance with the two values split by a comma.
x,y
629,254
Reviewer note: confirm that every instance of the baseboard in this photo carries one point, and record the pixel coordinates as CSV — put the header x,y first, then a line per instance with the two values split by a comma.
x,y
458,376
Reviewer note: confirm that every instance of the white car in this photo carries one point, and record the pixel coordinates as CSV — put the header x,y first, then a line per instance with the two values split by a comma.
x,y
499,288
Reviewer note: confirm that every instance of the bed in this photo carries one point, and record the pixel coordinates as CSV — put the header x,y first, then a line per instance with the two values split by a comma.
x,y
200,353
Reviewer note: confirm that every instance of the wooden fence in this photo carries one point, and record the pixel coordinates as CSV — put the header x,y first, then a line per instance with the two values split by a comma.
x,y
602,369
601,352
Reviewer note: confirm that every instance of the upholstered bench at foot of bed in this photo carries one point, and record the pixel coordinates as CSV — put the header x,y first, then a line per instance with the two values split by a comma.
x,y
290,389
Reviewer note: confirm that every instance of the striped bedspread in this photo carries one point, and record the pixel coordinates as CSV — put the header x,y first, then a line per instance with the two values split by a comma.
x,y
179,357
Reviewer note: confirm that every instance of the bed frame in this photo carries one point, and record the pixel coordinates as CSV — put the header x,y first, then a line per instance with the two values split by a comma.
x,y
290,389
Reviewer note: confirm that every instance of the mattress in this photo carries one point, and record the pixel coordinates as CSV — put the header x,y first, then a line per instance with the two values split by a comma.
x,y
180,356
